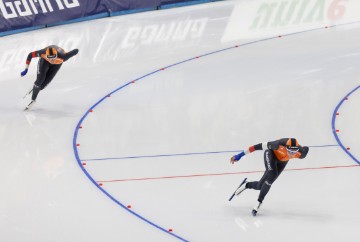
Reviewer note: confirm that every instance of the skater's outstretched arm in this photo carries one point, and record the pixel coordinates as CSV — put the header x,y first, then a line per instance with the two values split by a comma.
x,y
31,55
53,54
260,146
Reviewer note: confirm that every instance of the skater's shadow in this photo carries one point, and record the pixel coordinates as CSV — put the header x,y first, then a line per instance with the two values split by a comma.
x,y
303,215
39,114
52,114
244,212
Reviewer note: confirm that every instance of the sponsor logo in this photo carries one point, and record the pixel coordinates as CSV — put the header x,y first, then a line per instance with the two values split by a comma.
x,y
268,160
21,8
38,68
165,32
261,18
284,13
267,183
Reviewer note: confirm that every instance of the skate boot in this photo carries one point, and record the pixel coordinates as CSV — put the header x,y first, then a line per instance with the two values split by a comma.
x,y
256,209
29,105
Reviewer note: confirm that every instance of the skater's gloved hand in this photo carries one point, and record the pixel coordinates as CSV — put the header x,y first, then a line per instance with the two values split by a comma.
x,y
74,52
71,54
23,73
237,157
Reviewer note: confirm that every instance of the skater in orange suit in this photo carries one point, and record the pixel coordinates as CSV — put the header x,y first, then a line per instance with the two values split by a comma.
x,y
276,156
51,59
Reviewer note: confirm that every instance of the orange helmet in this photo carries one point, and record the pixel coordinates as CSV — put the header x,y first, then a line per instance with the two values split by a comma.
x,y
51,53
292,146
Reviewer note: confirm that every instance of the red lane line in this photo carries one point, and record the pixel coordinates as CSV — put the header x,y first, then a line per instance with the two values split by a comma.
x,y
222,174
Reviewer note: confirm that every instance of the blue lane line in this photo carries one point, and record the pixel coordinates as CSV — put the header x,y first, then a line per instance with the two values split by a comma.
x,y
333,121
183,154
163,155
321,146
142,77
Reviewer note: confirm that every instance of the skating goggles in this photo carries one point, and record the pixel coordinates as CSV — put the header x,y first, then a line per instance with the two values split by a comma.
x,y
292,149
51,57
51,53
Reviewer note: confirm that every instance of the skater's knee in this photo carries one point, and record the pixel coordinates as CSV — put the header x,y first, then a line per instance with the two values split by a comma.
x,y
268,183
271,178
253,185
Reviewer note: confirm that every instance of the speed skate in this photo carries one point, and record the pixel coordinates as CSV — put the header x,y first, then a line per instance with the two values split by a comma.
x,y
238,190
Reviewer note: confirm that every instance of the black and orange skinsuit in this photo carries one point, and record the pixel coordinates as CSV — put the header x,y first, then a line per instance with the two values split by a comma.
x,y
276,158
47,68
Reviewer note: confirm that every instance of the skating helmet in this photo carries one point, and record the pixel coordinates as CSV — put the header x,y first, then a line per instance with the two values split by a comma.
x,y
51,53
292,146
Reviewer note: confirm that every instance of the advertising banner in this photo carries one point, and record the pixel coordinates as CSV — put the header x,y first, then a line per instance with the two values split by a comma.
x,y
265,18
20,14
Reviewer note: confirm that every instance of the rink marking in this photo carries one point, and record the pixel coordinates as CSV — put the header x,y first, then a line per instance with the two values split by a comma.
x,y
184,154
222,174
75,148
333,125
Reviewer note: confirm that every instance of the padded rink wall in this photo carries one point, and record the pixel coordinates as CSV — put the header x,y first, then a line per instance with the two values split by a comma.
x,y
25,15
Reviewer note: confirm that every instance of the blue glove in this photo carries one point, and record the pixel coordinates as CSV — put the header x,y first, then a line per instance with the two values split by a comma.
x,y
238,156
23,73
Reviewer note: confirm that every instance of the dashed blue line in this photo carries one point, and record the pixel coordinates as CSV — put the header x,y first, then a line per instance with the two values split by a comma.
x,y
333,121
182,154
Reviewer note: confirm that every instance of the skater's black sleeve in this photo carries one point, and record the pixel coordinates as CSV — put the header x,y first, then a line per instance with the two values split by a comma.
x,y
34,54
274,145
260,146
70,54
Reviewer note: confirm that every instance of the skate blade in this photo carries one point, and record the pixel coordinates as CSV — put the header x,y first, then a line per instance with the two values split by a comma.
x,y
233,195
29,106
27,94
237,193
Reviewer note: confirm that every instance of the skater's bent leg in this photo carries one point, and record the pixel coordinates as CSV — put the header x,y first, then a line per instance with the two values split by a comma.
x,y
43,67
256,185
267,185
271,165
264,190
50,75
270,179
253,185
35,92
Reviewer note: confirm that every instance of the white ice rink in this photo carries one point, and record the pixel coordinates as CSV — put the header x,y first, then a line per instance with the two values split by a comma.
x,y
132,140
